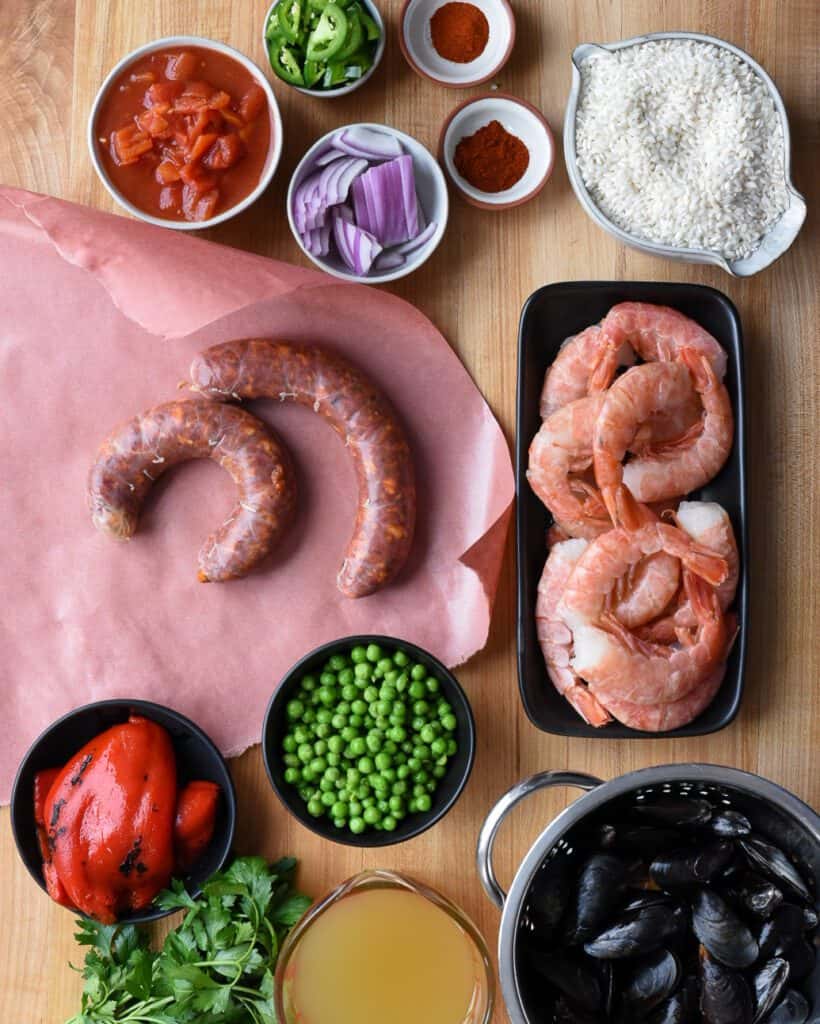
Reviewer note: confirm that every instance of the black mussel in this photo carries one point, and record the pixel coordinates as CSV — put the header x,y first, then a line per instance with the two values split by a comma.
x,y
642,840
730,824
769,983
641,932
690,867
637,899
774,864
757,896
605,835
721,931
650,982
801,957
724,994
598,895
783,930
810,919
792,1009
677,1009
565,1012
607,972
576,980
677,811
549,900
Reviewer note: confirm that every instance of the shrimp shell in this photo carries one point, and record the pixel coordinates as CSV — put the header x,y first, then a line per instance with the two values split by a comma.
x,y
668,716
585,364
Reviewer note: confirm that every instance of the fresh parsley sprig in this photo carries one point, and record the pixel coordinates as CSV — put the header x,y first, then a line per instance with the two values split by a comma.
x,y
215,967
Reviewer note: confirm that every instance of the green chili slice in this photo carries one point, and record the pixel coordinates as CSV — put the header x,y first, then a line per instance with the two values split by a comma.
x,y
325,41
289,16
285,63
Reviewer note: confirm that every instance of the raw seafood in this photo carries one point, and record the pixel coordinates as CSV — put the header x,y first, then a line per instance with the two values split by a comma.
x,y
363,418
141,450
585,364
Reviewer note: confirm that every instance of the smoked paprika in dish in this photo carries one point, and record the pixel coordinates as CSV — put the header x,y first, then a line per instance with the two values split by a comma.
x,y
112,827
184,135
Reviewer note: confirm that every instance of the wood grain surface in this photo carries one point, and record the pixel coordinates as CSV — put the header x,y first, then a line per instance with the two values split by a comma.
x,y
54,55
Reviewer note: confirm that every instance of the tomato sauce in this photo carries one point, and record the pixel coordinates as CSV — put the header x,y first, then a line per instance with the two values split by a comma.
x,y
184,135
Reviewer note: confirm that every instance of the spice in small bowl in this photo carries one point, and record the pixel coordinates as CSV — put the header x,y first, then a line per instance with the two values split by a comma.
x,y
497,150
457,43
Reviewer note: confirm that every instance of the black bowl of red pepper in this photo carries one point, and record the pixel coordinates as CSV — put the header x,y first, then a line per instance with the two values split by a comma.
x,y
114,799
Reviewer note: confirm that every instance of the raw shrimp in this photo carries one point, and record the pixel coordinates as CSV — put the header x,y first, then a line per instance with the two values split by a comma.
x,y
665,717
648,587
560,452
555,637
679,466
658,333
617,664
585,364
709,525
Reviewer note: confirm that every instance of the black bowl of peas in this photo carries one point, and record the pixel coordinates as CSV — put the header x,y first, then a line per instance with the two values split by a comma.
x,y
368,740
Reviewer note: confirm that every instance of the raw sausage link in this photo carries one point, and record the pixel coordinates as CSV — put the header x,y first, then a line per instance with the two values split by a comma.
x,y
140,451
360,414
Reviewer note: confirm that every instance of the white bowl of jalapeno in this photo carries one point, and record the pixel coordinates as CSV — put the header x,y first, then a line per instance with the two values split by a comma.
x,y
324,48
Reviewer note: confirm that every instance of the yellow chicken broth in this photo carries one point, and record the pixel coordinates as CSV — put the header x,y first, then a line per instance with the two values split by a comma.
x,y
383,955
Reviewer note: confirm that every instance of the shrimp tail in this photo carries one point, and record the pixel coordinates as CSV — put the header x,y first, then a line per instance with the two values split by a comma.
x,y
630,640
604,366
704,377
671,448
587,705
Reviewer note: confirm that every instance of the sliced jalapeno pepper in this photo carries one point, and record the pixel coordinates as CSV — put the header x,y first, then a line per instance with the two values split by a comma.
x,y
289,17
285,63
370,27
325,41
354,38
313,72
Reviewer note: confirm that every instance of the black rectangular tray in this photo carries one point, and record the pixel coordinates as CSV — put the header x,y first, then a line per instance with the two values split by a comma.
x,y
550,315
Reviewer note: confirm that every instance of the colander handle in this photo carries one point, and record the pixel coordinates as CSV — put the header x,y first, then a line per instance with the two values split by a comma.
x,y
493,821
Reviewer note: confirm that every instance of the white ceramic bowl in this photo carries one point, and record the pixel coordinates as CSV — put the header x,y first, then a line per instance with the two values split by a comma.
x,y
517,117
342,90
777,239
274,151
430,187
417,44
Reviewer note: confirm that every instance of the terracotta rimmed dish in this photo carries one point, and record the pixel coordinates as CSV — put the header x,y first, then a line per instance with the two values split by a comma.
x,y
274,149
778,237
517,117
417,44
431,189
342,90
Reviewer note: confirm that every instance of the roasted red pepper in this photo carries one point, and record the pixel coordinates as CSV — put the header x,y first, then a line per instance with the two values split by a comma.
x,y
194,825
107,819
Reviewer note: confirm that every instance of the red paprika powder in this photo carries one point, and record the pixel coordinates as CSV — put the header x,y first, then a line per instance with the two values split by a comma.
x,y
460,32
491,159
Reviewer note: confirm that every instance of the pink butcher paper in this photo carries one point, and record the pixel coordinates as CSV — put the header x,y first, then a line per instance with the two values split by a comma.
x,y
100,318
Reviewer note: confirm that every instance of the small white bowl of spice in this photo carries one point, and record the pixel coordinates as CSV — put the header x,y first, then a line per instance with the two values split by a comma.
x,y
454,43
498,151
677,144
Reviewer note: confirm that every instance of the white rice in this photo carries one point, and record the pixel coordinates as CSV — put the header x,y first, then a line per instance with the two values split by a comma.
x,y
680,143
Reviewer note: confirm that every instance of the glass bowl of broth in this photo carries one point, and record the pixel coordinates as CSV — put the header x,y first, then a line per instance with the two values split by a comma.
x,y
381,947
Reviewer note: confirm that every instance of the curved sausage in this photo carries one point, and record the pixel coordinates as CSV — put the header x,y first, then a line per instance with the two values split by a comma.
x,y
360,414
141,450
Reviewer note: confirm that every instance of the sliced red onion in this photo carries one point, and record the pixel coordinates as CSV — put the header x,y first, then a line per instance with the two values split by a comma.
x,y
384,200
388,260
324,189
317,242
328,157
344,211
416,243
408,192
366,142
358,248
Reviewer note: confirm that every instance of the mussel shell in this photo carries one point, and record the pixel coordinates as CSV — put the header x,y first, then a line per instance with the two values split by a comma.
x,y
773,863
643,840
758,896
638,933
730,824
637,899
721,931
573,978
650,982
769,983
782,931
690,867
677,811
724,995
810,919
802,958
565,1012
600,885
677,1009
792,1009
549,898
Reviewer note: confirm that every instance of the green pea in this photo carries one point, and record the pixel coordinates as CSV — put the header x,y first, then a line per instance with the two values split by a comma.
x,y
291,760
421,708
355,808
391,677
443,708
289,745
346,676
390,748
357,747
340,822
417,690
358,655
397,733
414,764
369,801
335,744
301,734
400,786
308,774
388,693
308,683
359,707
427,735
412,806
371,694
350,693
418,672
292,775
407,747
389,822
371,815
423,802
399,714
383,805
432,684
357,721
338,721
422,752
396,804
318,765
383,707
343,707
363,670
385,665
327,695
309,717
381,722
305,752
418,723
438,747
418,790
334,759
421,777
328,798
374,653
452,747
338,662
403,771
363,790
365,765
401,659
449,722
315,808
383,761
354,777
320,748
374,741
356,825
338,810
378,783
439,771
349,733
326,785
327,679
